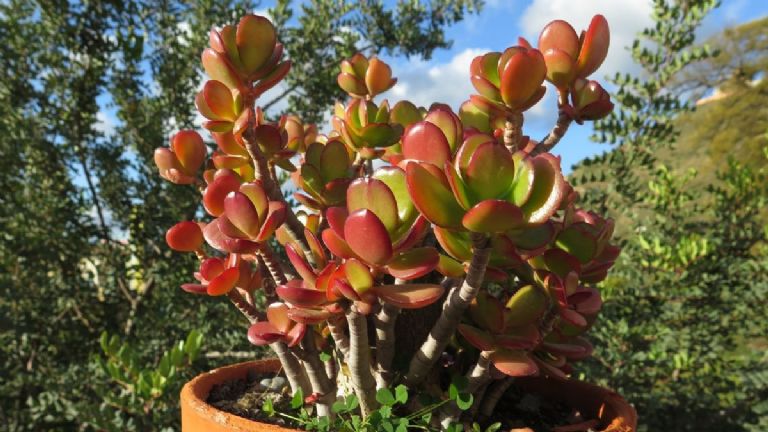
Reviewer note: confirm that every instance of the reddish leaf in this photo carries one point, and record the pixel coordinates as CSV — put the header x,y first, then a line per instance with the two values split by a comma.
x,y
211,267
410,296
275,218
217,240
594,48
263,333
442,117
476,337
367,236
185,237
514,363
351,84
306,272
217,101
414,263
433,199
336,244
341,287
374,195
493,216
425,142
277,315
378,77
456,243
190,150
240,211
214,195
256,38
218,68
224,282
561,69
195,288
296,293
358,275
522,77
558,34
308,316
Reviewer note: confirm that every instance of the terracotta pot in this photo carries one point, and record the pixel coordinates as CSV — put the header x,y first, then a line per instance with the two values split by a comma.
x,y
614,413
198,416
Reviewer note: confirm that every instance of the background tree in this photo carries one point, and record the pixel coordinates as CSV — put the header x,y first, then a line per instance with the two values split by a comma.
x,y
680,335
83,212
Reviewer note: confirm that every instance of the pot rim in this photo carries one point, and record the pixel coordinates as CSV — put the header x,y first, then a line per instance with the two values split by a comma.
x,y
197,415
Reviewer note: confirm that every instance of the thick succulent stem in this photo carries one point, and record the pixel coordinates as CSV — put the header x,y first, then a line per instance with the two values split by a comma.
x,y
385,343
457,302
513,131
293,225
493,395
477,378
555,135
296,374
322,385
244,307
297,378
359,361
272,263
339,337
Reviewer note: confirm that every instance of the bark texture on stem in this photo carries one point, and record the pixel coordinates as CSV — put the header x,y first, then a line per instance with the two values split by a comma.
x,y
296,375
272,263
457,302
477,378
318,376
340,338
494,394
244,307
555,135
385,343
359,361
293,225
513,131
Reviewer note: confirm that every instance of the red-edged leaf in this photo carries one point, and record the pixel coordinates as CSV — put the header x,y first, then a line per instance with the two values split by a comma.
x,y
305,271
572,317
277,315
561,69
587,302
594,48
533,238
564,349
190,150
258,196
547,191
296,293
195,288
218,101
456,243
256,38
211,267
579,240
374,195
409,296
514,363
492,216
214,195
489,171
336,217
378,77
263,333
449,267
477,338
336,244
218,68
414,263
358,275
442,117
224,282
522,77
433,199
275,217
425,142
560,35
308,316
341,287
526,306
218,240
185,236
351,84
295,335
240,211
367,236
487,312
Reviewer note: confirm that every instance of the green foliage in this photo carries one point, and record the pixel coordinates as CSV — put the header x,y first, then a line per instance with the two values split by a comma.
x,y
682,334
388,417
83,213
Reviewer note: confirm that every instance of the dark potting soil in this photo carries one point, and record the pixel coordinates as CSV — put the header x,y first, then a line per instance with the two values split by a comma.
x,y
519,410
244,398
516,410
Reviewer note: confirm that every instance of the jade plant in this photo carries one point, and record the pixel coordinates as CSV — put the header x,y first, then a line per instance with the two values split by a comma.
x,y
455,220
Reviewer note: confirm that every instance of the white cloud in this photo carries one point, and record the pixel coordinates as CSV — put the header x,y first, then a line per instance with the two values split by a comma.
x,y
625,19
424,83
105,123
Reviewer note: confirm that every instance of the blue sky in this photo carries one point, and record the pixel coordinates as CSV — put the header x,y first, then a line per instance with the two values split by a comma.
x,y
445,77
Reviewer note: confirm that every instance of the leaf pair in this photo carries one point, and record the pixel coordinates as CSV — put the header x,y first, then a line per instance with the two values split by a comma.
x,y
569,56
361,77
179,163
